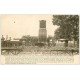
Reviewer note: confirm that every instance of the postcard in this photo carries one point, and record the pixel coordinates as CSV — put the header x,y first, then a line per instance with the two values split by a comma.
x,y
39,39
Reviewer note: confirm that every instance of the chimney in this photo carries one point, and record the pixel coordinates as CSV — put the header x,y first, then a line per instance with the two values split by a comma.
x,y
2,38
6,37
10,38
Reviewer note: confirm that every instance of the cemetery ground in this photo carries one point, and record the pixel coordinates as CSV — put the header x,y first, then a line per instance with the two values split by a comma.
x,y
44,55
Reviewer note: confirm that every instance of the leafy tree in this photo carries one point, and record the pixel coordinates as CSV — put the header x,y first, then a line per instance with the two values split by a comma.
x,y
30,40
69,27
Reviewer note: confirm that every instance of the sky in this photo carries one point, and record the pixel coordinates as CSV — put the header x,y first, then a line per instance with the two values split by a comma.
x,y
17,25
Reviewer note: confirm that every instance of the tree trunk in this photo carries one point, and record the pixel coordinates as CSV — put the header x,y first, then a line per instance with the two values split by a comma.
x,y
74,42
78,43
66,43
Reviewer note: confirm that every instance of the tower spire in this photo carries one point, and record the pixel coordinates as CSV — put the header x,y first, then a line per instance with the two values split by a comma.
x,y
42,32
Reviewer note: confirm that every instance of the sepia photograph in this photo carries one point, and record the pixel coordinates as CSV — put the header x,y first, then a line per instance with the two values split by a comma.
x,y
39,39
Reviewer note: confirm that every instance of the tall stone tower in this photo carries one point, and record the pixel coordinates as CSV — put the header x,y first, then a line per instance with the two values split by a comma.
x,y
42,32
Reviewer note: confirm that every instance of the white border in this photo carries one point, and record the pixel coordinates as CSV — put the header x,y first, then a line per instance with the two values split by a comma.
x,y
39,72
